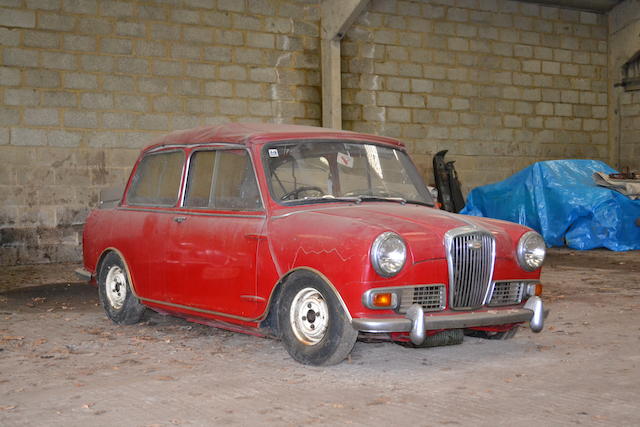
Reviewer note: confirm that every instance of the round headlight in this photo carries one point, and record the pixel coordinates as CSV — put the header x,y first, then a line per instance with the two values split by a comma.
x,y
531,251
388,254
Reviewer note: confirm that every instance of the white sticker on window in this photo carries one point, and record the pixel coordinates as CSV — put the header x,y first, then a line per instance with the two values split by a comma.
x,y
345,160
273,152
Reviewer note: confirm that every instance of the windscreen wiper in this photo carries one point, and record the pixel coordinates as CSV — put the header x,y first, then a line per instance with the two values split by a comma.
x,y
400,200
421,203
365,198
323,199
355,199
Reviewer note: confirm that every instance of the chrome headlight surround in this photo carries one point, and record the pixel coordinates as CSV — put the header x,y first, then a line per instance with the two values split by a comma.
x,y
388,254
531,251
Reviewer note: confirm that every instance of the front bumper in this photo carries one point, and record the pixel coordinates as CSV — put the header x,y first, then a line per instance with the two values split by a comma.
x,y
416,323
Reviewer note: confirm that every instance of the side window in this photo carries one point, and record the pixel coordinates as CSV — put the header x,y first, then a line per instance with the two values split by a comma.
x,y
222,179
200,179
157,179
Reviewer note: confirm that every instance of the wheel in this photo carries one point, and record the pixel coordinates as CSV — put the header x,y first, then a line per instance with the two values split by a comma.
x,y
119,303
293,194
490,335
505,335
314,328
448,337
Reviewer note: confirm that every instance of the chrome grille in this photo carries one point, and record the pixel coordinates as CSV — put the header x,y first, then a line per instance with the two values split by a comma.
x,y
430,297
507,293
470,255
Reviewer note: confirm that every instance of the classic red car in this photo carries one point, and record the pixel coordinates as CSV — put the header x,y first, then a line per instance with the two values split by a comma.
x,y
307,234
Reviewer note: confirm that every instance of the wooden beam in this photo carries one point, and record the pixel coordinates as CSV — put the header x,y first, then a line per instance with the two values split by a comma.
x,y
336,18
331,84
338,15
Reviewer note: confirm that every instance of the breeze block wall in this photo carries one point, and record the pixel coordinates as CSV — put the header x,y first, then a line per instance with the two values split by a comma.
x,y
500,84
629,150
84,84
624,104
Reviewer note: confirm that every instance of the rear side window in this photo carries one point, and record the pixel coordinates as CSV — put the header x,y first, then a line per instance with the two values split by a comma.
x,y
157,180
222,179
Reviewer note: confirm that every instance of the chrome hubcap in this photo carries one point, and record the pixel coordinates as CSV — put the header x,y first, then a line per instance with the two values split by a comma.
x,y
309,316
116,287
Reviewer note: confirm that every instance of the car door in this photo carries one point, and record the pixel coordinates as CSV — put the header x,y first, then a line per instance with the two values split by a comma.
x,y
145,219
215,235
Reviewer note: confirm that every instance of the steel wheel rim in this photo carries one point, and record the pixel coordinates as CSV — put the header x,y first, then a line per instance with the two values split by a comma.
x,y
116,287
309,316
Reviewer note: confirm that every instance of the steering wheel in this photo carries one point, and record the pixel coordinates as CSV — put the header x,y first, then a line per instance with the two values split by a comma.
x,y
294,194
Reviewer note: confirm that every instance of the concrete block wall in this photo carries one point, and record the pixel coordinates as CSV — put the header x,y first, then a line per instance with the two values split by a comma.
x,y
630,130
85,83
501,84
624,107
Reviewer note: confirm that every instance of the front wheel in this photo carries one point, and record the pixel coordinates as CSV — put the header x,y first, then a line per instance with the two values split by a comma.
x,y
314,327
115,292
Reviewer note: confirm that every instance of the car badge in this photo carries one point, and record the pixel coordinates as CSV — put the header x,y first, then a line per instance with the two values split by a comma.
x,y
474,244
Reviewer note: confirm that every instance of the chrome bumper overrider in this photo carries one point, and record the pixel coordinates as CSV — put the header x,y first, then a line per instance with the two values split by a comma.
x,y
416,323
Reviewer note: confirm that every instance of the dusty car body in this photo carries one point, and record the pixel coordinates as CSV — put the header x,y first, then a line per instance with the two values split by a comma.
x,y
307,234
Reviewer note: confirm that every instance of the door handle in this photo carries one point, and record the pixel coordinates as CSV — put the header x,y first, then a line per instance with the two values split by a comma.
x,y
180,219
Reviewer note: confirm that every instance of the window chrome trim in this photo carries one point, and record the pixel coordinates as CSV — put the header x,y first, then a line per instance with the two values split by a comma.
x,y
156,153
183,212
218,147
196,146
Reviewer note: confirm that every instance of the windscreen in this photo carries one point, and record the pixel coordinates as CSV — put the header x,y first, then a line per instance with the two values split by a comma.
x,y
313,170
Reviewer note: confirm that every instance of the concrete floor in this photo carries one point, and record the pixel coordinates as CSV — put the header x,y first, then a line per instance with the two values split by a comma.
x,y
63,363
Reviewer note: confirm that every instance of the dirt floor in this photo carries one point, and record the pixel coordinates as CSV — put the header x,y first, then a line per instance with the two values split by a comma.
x,y
63,363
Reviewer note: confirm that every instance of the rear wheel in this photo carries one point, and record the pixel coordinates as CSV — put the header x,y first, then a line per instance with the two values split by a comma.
x,y
314,327
114,289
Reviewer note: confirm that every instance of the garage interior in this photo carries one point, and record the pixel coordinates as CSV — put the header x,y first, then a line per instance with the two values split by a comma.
x,y
85,84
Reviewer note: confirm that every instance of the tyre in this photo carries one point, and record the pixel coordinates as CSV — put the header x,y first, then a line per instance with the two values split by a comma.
x,y
504,335
115,293
314,327
448,337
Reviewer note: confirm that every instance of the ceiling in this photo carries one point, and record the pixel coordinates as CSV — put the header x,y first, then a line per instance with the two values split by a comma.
x,y
599,6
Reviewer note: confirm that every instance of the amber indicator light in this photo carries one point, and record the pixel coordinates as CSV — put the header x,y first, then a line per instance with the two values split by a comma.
x,y
538,290
382,300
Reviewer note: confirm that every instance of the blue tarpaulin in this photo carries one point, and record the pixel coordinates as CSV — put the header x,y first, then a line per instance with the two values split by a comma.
x,y
559,199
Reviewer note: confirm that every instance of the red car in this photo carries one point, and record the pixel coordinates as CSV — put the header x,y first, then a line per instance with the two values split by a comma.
x,y
307,234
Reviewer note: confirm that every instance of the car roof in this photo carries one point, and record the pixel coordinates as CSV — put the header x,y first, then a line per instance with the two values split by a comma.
x,y
261,133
